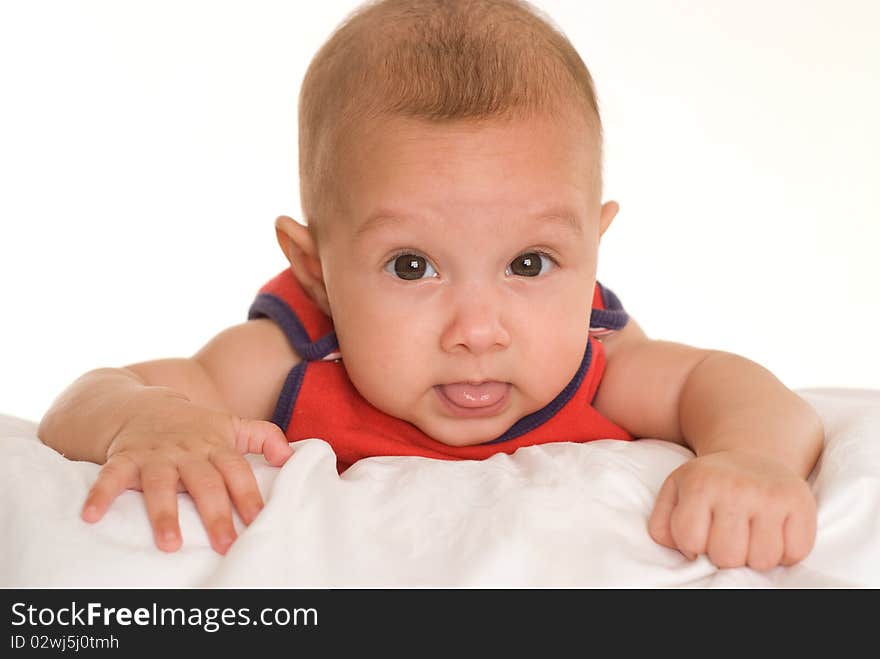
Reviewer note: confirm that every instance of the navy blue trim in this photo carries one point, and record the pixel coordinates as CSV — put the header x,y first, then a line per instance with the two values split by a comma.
x,y
320,348
543,415
609,299
289,394
609,319
271,306
613,316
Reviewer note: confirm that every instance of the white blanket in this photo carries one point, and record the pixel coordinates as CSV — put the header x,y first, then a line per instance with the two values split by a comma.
x,y
569,515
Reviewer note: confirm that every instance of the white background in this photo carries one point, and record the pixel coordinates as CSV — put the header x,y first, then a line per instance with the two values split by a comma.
x,y
146,148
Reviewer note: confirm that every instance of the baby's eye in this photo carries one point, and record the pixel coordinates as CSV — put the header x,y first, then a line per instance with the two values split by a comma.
x,y
410,266
530,264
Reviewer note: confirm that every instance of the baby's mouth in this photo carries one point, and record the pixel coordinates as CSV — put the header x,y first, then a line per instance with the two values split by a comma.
x,y
472,400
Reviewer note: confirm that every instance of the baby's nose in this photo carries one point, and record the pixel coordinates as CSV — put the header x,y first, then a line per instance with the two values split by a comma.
x,y
475,322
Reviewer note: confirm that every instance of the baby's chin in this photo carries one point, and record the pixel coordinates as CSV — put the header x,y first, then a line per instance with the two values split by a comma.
x,y
465,432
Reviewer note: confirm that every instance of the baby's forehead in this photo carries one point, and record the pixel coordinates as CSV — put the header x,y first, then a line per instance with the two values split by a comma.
x,y
521,154
405,185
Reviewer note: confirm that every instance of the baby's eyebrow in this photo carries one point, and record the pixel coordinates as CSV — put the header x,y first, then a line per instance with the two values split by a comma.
x,y
377,221
563,217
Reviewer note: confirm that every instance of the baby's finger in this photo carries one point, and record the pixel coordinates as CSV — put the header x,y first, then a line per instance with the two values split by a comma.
x,y
658,523
728,543
206,486
159,483
765,541
240,482
117,475
255,436
799,534
689,523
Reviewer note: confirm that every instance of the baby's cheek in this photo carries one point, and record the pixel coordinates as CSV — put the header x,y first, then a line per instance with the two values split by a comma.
x,y
388,375
553,359
371,382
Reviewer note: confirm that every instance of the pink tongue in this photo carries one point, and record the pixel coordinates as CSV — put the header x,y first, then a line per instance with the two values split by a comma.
x,y
475,395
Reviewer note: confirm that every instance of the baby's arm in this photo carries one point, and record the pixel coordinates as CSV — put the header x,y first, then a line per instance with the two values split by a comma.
x,y
180,424
744,499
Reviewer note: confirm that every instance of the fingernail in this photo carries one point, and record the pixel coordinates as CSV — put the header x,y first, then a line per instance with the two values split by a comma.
x,y
90,513
168,541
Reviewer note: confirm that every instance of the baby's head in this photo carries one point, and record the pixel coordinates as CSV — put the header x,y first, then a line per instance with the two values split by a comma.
x,y
450,166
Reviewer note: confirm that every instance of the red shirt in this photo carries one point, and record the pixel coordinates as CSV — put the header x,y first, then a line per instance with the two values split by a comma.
x,y
319,400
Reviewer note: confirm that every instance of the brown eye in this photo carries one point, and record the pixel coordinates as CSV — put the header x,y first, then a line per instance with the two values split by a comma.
x,y
528,264
412,266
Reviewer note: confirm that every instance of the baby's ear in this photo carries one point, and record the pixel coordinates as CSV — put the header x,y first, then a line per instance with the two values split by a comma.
x,y
606,215
302,253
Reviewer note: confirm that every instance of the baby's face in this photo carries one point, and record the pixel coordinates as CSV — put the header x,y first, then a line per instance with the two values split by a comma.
x,y
461,272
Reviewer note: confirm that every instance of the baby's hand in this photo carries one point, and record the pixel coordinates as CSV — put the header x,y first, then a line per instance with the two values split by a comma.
x,y
177,446
738,508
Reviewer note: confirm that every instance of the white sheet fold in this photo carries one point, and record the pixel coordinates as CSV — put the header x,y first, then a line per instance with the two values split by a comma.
x,y
564,514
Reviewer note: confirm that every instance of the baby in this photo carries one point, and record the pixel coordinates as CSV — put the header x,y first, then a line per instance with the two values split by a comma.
x,y
442,301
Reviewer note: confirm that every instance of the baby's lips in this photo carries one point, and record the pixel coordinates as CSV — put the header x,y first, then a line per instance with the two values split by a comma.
x,y
475,395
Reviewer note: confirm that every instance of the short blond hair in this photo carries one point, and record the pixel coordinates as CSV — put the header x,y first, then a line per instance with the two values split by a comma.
x,y
437,60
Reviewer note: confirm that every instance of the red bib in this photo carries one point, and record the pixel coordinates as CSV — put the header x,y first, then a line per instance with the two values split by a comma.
x,y
319,400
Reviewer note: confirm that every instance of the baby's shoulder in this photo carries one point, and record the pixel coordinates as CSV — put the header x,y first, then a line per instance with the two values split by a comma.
x,y
249,363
